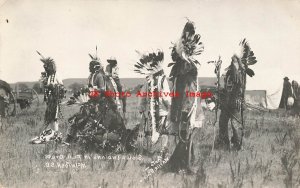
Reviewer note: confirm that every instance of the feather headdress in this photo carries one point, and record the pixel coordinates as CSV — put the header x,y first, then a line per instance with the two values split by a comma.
x,y
149,64
47,61
189,45
246,58
95,58
95,62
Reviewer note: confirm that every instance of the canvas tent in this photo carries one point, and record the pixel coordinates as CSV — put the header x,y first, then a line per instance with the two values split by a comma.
x,y
253,97
257,98
260,98
273,98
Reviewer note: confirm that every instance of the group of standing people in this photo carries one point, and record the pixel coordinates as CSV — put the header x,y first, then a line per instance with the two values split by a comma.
x,y
54,92
178,117
161,117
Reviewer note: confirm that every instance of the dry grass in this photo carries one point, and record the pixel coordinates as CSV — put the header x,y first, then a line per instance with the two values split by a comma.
x,y
270,157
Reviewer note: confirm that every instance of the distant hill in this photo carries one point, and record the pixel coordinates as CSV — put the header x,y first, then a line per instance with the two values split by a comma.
x,y
29,84
67,82
127,82
204,82
133,82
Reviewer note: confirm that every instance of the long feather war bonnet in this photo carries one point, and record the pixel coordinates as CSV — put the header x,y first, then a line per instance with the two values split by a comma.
x,y
94,58
246,58
149,63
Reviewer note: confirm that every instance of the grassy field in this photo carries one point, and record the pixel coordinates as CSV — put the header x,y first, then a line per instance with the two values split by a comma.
x,y
270,157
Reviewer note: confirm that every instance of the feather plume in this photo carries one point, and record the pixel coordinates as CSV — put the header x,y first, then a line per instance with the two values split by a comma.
x,y
91,56
40,55
45,60
94,58
250,72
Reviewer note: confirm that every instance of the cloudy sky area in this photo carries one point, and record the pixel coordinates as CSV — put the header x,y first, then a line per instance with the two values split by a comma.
x,y
69,30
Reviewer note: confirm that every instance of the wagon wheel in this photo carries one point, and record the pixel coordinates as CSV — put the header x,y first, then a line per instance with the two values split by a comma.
x,y
34,102
28,101
11,106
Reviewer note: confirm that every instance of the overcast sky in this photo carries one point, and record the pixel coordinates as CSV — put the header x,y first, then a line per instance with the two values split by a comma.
x,y
68,30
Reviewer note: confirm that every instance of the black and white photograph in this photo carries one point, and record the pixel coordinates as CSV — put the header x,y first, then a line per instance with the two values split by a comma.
x,y
149,93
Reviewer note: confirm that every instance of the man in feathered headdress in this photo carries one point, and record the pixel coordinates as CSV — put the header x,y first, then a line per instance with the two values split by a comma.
x,y
92,94
154,108
97,106
99,83
184,76
233,99
186,112
96,77
54,91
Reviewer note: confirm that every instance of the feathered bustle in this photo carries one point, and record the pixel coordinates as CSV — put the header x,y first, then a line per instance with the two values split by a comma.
x,y
47,60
